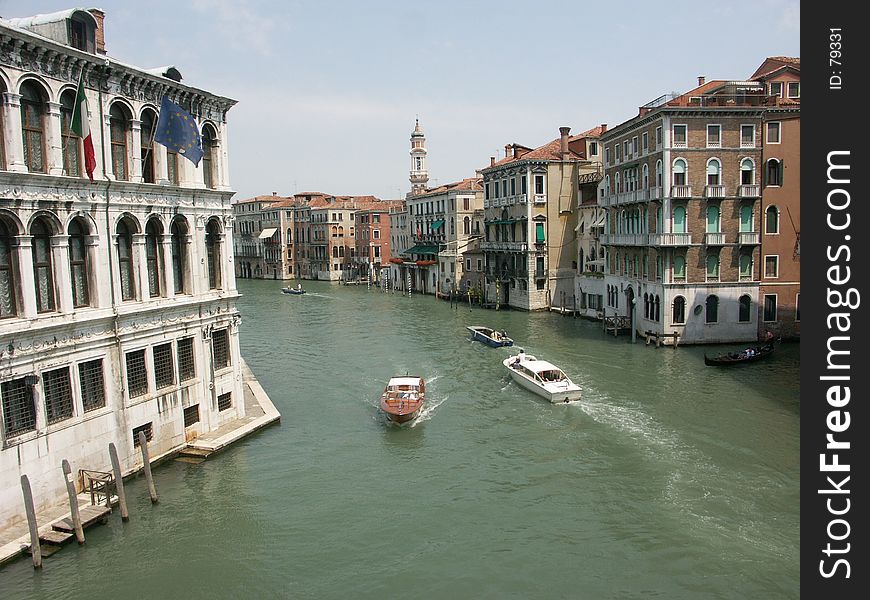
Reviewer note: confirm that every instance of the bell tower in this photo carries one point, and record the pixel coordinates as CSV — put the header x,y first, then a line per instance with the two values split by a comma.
x,y
419,173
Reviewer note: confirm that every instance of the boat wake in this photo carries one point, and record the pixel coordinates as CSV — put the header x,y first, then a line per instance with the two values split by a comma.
x,y
428,411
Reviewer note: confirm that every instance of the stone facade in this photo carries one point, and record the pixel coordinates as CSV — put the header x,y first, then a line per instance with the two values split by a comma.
x,y
118,297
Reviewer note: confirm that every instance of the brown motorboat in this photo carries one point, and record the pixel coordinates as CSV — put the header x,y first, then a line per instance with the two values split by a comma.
x,y
403,398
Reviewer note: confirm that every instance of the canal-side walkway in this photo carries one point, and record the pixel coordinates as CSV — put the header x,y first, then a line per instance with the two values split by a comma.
x,y
259,413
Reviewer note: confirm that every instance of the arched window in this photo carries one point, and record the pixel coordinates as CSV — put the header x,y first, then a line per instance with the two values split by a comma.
x,y
126,265
645,176
745,311
659,173
208,162
71,144
679,267
774,172
747,172
42,268
646,306
335,252
679,312
657,304
7,273
712,303
746,218
334,231
713,219
213,250
78,262
466,226
679,219
178,235
153,258
119,125
771,220
680,172
616,188
341,251
745,266
149,118
713,266
340,231
607,185
580,259
714,170
33,126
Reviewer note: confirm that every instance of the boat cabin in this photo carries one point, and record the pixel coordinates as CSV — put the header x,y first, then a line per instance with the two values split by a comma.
x,y
540,370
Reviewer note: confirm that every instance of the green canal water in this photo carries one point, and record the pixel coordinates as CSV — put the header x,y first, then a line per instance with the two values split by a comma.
x,y
668,479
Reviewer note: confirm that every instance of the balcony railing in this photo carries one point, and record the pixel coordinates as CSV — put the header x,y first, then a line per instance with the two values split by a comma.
x,y
714,239
624,239
681,191
504,246
540,198
747,238
655,193
749,191
714,191
670,239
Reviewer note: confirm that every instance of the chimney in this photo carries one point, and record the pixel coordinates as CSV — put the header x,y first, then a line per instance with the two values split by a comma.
x,y
701,80
274,193
491,160
603,127
507,150
99,34
563,142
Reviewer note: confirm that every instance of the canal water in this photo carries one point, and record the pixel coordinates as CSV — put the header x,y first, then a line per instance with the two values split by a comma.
x,y
668,479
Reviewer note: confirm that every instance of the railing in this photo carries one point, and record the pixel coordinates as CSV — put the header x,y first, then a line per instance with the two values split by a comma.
x,y
681,191
655,193
99,485
504,246
670,239
624,239
714,239
714,191
540,198
747,238
749,191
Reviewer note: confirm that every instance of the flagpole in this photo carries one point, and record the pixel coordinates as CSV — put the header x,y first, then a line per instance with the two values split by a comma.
x,y
150,146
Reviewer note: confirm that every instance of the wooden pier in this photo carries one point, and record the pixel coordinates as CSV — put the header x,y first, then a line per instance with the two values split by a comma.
x,y
617,324
652,336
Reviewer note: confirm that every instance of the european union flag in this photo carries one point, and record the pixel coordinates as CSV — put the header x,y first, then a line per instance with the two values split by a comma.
x,y
176,129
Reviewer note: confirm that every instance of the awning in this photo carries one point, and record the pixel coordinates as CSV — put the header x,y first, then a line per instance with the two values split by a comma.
x,y
267,233
437,224
422,249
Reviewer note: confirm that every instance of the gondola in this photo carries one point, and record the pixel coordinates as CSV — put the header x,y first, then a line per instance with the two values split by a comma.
x,y
753,354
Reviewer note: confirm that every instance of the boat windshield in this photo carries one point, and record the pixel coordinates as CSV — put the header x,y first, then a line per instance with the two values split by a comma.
x,y
553,375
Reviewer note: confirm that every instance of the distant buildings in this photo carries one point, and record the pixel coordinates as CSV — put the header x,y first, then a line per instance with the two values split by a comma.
x,y
684,220
117,298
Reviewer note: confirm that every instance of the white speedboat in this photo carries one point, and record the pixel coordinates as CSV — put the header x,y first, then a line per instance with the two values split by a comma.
x,y
542,378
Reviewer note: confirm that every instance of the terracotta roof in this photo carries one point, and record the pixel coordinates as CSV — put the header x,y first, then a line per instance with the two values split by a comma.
x,y
549,151
594,132
470,184
775,63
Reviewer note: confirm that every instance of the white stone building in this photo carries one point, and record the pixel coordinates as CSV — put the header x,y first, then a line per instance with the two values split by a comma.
x,y
118,297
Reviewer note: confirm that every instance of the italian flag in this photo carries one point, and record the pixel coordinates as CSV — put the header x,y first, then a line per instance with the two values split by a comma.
x,y
81,126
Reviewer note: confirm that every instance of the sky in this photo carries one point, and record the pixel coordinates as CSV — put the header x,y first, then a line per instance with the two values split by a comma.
x,y
328,91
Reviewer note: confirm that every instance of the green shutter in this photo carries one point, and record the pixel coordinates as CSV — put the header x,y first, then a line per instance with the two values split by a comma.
x,y
746,219
539,233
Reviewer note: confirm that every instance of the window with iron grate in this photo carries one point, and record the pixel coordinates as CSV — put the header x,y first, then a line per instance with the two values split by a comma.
x,y
137,377
220,348
164,371
225,401
147,429
58,395
19,411
186,361
191,415
91,383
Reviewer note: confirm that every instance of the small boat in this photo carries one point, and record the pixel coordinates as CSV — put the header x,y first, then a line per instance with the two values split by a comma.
x,y
295,291
542,378
751,354
490,337
403,398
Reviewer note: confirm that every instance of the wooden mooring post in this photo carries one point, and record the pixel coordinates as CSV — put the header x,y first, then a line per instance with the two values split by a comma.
x,y
119,482
73,502
146,465
35,549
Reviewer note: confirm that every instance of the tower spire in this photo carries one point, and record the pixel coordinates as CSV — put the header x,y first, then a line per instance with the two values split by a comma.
x,y
419,173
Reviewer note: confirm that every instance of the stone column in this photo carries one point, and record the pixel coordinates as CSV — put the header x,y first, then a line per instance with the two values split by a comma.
x,y
107,149
136,174
166,266
12,136
140,267
53,140
161,169
98,288
61,272
24,258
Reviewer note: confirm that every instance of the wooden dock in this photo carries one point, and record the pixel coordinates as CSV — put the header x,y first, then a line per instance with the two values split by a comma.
x,y
90,514
652,336
616,324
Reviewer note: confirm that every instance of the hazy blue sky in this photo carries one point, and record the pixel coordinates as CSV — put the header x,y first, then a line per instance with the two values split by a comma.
x,y
328,91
